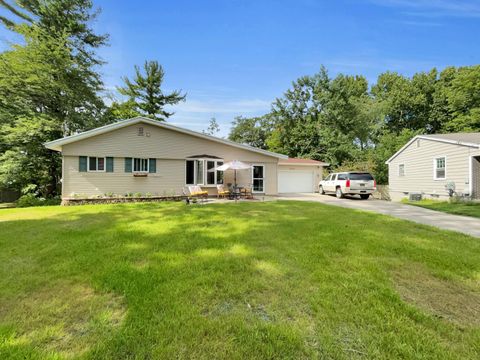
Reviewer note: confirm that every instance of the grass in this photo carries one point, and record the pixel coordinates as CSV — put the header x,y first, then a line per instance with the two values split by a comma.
x,y
458,208
286,280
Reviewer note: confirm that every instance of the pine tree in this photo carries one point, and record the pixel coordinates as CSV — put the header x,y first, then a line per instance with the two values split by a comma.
x,y
145,91
49,88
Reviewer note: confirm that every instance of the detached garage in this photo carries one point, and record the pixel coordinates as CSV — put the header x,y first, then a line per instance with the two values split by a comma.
x,y
299,175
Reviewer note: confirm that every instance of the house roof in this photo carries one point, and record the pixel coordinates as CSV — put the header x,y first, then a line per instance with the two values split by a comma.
x,y
461,139
470,138
57,144
297,161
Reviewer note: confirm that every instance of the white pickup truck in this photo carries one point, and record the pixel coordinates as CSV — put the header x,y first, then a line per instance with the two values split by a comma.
x,y
348,183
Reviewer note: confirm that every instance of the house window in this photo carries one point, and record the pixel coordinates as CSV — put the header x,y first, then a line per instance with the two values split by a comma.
x,y
96,163
258,178
440,168
140,165
201,171
199,166
190,172
219,179
401,170
140,131
210,172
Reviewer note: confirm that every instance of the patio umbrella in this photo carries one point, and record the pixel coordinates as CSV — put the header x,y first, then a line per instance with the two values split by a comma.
x,y
233,165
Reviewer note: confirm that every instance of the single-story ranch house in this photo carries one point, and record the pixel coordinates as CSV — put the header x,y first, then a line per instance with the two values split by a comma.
x,y
147,156
428,163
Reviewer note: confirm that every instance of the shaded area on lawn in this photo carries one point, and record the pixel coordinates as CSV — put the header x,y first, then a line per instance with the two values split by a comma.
x,y
465,208
265,280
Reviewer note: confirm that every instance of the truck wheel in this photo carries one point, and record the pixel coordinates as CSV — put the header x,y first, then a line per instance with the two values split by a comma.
x,y
364,196
339,193
320,190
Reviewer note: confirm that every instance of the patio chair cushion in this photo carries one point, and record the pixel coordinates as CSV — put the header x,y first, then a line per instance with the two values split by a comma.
x,y
197,191
222,191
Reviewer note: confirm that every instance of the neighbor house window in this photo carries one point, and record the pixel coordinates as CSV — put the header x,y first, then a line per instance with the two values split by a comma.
x,y
202,171
96,163
401,170
140,165
440,168
258,178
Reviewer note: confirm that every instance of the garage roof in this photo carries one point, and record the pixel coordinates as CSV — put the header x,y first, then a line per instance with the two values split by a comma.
x,y
298,161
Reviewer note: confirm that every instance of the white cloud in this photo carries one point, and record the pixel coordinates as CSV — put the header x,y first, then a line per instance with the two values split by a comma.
x,y
196,113
434,8
217,106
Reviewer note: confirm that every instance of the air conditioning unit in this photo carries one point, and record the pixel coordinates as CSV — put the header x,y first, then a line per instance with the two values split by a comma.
x,y
414,196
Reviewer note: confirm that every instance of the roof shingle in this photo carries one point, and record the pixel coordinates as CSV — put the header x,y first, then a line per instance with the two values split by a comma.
x,y
473,137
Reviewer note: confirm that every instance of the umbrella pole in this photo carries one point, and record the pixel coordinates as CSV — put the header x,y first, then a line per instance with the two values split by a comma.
x,y
235,186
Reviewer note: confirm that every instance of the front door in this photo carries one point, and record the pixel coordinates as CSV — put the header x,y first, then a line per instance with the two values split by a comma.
x,y
258,178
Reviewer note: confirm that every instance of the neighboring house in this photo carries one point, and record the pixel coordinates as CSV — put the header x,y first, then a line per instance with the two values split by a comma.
x,y
148,156
428,162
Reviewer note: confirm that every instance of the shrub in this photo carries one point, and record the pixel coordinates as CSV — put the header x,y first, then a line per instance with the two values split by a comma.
x,y
456,199
137,194
31,200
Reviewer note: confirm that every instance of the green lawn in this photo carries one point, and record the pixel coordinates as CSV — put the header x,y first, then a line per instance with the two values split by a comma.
x,y
273,280
457,208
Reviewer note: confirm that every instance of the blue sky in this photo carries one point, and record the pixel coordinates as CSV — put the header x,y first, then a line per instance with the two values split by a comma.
x,y
233,57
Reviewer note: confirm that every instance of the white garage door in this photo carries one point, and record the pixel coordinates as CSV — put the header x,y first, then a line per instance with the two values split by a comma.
x,y
295,181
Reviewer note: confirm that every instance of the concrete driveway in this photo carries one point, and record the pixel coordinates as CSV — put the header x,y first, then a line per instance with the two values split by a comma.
x,y
463,224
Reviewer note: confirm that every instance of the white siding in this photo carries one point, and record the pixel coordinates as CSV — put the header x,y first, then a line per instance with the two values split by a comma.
x,y
169,147
419,169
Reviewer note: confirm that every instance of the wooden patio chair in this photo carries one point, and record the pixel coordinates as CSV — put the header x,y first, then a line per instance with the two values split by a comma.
x,y
246,193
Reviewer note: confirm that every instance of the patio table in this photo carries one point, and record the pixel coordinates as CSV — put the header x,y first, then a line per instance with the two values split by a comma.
x,y
236,193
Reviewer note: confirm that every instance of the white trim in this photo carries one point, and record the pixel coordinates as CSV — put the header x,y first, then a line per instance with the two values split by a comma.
x,y
57,144
404,172
195,161
424,137
215,165
205,170
96,164
470,171
140,171
302,164
263,178
435,158
63,175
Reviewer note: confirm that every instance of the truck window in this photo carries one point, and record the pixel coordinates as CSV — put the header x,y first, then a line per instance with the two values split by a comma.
x,y
361,176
